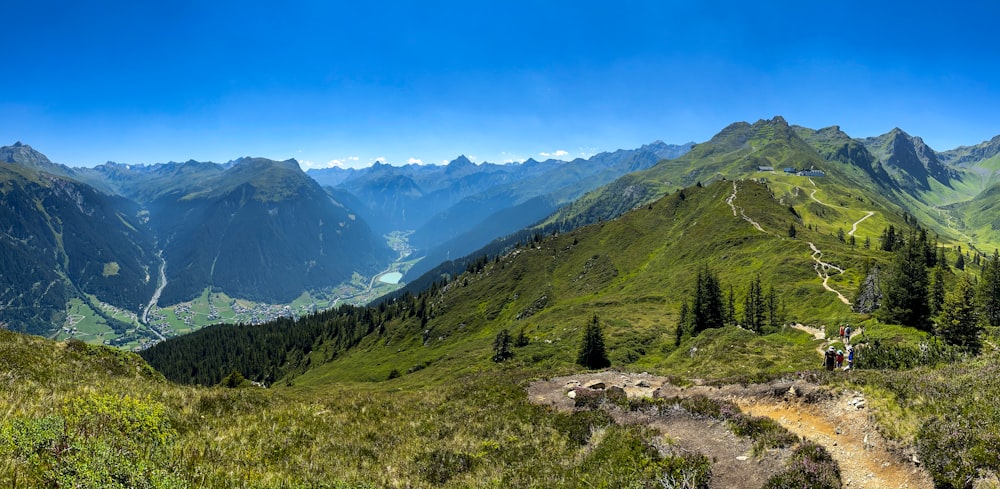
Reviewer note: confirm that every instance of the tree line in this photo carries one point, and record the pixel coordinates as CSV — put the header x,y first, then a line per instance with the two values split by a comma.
x,y
708,307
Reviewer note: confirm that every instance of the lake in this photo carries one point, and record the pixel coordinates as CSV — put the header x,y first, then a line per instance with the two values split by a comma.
x,y
390,278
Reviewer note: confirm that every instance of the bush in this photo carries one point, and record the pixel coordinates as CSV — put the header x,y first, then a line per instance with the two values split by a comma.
x,y
579,425
810,466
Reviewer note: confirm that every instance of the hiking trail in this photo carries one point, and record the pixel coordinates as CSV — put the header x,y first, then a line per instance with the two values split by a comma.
x,y
822,269
731,202
837,420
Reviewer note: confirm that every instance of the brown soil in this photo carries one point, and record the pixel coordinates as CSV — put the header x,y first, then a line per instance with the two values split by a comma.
x,y
837,421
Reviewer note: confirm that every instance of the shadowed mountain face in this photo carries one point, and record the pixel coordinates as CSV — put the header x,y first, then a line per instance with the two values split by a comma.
x,y
60,238
254,228
909,160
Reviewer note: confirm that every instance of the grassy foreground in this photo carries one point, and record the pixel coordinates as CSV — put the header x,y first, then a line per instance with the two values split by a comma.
x,y
75,415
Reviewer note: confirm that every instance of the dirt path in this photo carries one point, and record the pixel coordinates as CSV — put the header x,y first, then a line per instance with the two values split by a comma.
x,y
838,421
822,269
849,436
854,228
731,201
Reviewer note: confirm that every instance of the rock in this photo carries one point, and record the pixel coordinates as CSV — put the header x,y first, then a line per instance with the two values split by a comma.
x,y
860,405
792,392
643,383
572,383
571,394
595,384
742,458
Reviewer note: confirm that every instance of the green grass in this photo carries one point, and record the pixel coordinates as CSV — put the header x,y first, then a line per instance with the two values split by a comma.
x,y
129,427
90,327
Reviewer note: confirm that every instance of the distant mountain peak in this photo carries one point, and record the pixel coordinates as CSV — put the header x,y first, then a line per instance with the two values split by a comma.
x,y
461,161
25,155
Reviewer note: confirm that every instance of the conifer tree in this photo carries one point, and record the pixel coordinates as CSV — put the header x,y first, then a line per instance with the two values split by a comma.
x,y
958,323
960,261
937,292
905,287
681,324
707,307
592,354
989,290
773,311
754,307
501,346
730,313
791,230
522,339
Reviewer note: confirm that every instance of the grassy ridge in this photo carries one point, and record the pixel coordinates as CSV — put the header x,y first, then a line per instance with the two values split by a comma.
x,y
87,416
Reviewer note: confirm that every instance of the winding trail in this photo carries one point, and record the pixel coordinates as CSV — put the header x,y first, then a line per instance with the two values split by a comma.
x,y
854,228
731,202
822,269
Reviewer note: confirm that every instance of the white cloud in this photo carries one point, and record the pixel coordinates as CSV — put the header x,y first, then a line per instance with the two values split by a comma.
x,y
334,163
558,154
381,159
417,161
353,158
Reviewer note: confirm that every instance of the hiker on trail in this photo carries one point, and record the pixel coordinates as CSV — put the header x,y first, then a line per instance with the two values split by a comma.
x,y
829,359
840,359
847,334
841,331
850,357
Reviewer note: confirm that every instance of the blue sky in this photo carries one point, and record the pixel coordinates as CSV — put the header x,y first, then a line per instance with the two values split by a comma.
x,y
349,82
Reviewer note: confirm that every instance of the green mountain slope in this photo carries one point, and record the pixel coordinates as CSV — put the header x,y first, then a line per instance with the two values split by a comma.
x,y
632,272
61,239
260,230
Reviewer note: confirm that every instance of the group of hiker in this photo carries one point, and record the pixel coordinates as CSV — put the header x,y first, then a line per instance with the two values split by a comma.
x,y
835,358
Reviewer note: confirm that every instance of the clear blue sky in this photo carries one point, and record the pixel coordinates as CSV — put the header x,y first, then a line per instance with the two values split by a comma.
x,y
349,82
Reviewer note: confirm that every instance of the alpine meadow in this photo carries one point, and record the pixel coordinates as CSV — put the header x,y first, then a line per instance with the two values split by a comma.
x,y
656,324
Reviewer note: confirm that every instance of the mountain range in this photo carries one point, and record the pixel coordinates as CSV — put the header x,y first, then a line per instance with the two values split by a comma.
x,y
264,230
774,228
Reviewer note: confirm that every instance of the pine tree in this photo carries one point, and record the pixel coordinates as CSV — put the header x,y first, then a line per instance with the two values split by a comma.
x,y
592,354
960,261
989,290
791,230
773,313
868,243
681,324
889,239
754,307
905,287
522,339
707,307
937,292
958,323
501,346
730,316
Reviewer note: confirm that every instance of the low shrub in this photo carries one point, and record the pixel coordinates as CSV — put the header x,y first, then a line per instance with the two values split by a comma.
x,y
810,466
